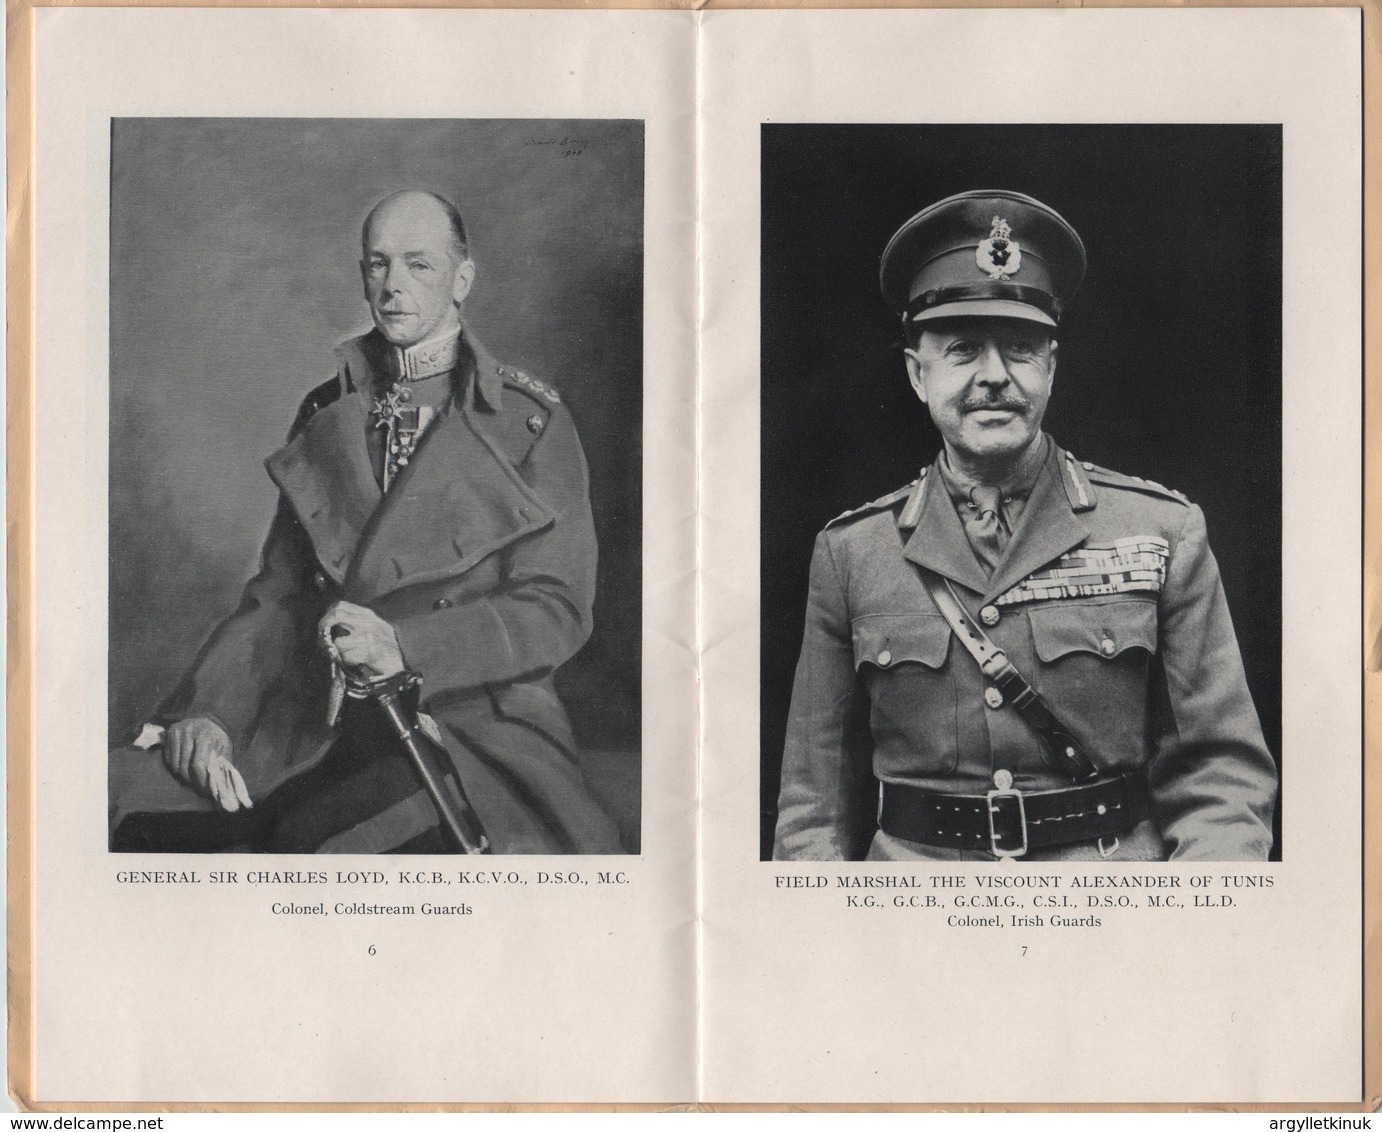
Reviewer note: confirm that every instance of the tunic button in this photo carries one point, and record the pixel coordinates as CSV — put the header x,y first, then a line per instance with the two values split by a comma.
x,y
442,603
1003,779
993,697
989,615
885,658
319,580
1106,646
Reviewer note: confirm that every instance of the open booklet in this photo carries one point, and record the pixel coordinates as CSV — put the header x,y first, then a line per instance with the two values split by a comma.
x,y
563,571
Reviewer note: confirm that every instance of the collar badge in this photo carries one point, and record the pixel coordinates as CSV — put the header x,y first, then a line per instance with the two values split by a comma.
x,y
1000,255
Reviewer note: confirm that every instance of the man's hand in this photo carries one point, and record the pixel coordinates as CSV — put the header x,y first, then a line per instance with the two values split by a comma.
x,y
361,640
197,750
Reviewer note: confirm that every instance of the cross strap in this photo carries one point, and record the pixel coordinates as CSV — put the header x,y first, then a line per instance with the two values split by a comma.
x,y
1062,751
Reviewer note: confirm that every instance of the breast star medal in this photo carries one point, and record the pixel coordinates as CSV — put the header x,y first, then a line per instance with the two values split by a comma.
x,y
1000,255
403,426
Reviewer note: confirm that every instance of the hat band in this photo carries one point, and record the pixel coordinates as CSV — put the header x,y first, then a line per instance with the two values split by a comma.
x,y
939,296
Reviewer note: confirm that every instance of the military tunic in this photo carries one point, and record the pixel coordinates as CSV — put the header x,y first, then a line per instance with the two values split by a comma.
x,y
1107,599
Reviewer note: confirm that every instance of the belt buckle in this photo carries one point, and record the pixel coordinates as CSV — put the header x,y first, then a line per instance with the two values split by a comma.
x,y
1000,792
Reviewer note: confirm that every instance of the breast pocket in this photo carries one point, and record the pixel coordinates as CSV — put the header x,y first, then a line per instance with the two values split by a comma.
x,y
1094,660
904,662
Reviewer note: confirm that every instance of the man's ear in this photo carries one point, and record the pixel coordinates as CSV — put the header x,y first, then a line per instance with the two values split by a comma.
x,y
364,278
916,373
1051,368
465,279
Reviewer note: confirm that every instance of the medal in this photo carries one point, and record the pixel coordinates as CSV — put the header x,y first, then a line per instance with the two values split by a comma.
x,y
403,426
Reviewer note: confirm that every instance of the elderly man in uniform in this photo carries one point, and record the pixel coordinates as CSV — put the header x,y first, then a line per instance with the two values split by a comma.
x,y
433,522
1020,654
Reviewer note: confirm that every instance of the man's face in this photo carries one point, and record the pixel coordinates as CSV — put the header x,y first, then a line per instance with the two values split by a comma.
x,y
986,382
414,277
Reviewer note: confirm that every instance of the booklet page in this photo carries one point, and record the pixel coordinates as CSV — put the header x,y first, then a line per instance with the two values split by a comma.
x,y
421,285
1031,747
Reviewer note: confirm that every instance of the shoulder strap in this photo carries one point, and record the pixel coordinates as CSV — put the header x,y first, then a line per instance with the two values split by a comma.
x,y
1062,750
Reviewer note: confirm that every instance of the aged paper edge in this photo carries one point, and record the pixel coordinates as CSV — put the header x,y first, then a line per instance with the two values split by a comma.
x,y
20,531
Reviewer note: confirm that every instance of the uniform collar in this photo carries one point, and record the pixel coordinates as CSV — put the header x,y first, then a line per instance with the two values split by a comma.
x,y
1052,522
1049,527
937,539
482,386
1019,486
436,356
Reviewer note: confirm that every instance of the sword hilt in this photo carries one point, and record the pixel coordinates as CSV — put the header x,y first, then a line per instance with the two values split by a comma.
x,y
364,688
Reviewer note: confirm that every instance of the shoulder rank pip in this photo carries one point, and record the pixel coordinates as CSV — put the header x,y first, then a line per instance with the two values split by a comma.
x,y
530,384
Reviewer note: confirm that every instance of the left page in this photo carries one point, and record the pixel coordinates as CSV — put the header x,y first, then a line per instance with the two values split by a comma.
x,y
363,456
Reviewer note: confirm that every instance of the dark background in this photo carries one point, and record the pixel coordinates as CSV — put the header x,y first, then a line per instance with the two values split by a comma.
x,y
234,250
1170,354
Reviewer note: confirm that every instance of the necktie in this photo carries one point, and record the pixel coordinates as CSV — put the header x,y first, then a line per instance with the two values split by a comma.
x,y
988,533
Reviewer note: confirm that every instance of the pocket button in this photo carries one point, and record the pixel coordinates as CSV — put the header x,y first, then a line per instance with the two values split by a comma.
x,y
885,658
442,603
1107,647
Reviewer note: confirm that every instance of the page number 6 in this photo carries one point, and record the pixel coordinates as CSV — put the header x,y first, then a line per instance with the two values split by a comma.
x,y
371,949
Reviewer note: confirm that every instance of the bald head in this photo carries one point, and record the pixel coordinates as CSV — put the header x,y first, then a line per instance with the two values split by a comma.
x,y
415,265
418,205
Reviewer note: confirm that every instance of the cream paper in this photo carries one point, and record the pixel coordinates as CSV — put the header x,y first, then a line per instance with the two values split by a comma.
x,y
808,1000
179,993
160,993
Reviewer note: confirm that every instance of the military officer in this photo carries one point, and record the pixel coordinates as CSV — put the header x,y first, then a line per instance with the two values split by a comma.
x,y
1019,654
434,521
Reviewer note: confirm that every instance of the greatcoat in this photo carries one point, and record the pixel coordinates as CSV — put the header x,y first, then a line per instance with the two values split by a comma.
x,y
481,556
1143,668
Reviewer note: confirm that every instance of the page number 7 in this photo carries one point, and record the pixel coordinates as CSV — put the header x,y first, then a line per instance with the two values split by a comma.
x,y
1024,949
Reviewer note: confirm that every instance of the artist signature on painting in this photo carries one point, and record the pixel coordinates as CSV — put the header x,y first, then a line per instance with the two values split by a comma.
x,y
568,145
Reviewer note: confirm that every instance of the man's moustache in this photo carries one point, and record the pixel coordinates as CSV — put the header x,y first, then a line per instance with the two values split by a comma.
x,y
977,404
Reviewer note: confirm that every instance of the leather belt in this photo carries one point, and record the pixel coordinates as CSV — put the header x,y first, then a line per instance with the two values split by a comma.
x,y
1008,822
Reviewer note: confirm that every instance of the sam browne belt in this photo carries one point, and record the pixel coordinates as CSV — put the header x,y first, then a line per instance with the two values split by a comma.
x,y
1005,820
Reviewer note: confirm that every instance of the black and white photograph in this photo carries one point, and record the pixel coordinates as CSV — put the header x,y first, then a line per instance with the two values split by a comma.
x,y
375,485
1021,500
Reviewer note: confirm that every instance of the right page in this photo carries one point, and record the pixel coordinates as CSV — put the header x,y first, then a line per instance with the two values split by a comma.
x,y
1031,463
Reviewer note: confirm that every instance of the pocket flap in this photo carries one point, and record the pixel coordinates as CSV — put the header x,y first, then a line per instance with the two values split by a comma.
x,y
1106,630
886,640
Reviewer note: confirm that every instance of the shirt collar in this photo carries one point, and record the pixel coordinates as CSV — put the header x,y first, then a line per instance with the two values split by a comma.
x,y
1018,487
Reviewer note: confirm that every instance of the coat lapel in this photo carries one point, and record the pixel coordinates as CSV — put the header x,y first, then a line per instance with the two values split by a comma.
x,y
459,501
324,473
1048,528
1051,524
938,542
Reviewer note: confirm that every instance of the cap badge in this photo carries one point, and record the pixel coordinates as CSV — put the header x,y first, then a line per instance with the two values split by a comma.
x,y
1000,255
